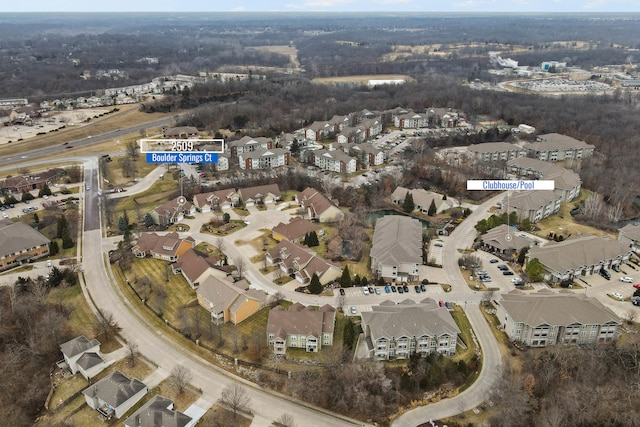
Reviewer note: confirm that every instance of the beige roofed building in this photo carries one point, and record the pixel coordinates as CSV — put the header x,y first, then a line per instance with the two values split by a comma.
x,y
20,244
309,327
302,262
396,251
579,256
397,331
554,147
158,412
295,230
422,199
318,206
229,301
504,239
167,247
546,318
630,235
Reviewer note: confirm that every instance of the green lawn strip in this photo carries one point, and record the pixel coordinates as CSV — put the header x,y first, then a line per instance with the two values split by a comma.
x,y
148,200
465,334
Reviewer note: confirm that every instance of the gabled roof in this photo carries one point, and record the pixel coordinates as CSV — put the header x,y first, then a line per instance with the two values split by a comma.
x,y
553,141
223,293
115,389
156,413
578,252
247,140
631,231
556,309
89,360
214,197
397,239
492,147
530,200
161,245
409,320
308,321
193,265
264,152
565,179
296,228
251,193
18,236
312,199
172,207
77,345
301,259
421,197
497,237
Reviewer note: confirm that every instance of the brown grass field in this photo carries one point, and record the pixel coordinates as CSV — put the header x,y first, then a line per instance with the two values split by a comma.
x,y
360,79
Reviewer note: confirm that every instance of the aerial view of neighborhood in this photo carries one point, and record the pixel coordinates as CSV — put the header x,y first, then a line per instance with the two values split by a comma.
x,y
319,219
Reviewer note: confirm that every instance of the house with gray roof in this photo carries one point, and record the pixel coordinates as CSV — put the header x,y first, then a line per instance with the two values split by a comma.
x,y
229,301
505,240
248,144
115,394
554,147
396,251
565,180
262,194
172,211
397,331
496,151
302,262
263,158
158,412
579,256
20,244
83,355
308,327
422,199
630,235
318,207
547,318
334,160
534,205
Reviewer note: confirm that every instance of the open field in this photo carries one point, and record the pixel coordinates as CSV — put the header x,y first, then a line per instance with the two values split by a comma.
x,y
286,50
148,200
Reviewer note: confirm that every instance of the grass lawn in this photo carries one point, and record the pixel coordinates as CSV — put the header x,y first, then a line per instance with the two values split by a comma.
x,y
144,202
66,387
225,417
178,291
180,401
225,229
465,334
563,223
117,177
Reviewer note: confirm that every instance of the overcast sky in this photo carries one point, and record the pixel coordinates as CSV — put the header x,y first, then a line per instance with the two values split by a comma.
x,y
322,5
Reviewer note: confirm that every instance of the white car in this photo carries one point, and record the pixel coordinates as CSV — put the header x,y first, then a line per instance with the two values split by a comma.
x,y
626,279
353,310
617,296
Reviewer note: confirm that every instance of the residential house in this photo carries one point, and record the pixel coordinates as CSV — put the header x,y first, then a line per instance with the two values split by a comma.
x,y
172,211
335,161
247,144
318,207
20,244
505,240
262,194
496,151
229,301
223,162
196,268
398,331
158,412
534,205
546,318
422,199
579,256
302,263
565,180
310,328
317,131
263,158
295,230
554,147
114,395
396,250
83,355
216,200
182,132
410,120
168,247
630,236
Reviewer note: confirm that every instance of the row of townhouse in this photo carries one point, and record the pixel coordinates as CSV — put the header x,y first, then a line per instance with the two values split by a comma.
x,y
308,327
333,160
552,147
432,117
547,318
302,263
365,123
366,154
533,205
396,250
399,331
422,199
565,180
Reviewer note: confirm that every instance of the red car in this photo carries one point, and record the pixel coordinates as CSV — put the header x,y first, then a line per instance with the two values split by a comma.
x,y
637,286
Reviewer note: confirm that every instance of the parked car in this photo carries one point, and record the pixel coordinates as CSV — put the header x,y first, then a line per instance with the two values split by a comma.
x,y
342,291
635,300
604,273
448,305
387,289
417,289
503,267
377,291
371,291
365,290
400,290
485,278
393,288
353,310
637,286
438,245
441,303
615,268
494,260
405,288
617,296
423,287
626,279
507,272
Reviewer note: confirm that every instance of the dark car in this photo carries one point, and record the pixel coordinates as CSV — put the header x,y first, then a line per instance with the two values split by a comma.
x,y
400,290
604,273
503,267
615,268
341,291
417,289
493,260
423,288
405,288
393,288
371,290
507,272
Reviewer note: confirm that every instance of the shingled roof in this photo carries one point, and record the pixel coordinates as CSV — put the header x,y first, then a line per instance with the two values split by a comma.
x,y
18,236
115,389
77,345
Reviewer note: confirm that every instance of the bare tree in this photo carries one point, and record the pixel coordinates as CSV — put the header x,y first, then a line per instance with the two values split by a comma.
x,y
235,397
180,378
593,206
240,267
132,352
286,420
631,316
219,244
487,296
276,299
614,213
275,360
105,324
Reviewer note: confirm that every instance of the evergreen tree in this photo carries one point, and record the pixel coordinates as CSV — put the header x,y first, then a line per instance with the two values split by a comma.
x,y
27,196
226,217
522,255
315,287
432,208
148,220
53,248
525,224
408,205
312,239
45,191
364,281
122,224
534,270
61,226
36,218
295,148
356,280
345,279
